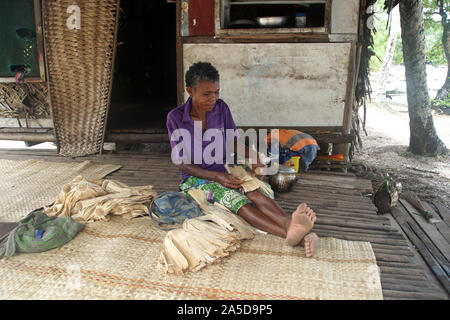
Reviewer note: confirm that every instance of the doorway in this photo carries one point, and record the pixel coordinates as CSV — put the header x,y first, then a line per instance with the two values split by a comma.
x,y
144,86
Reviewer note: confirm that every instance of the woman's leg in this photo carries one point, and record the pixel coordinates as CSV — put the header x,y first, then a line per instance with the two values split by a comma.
x,y
261,221
269,207
297,225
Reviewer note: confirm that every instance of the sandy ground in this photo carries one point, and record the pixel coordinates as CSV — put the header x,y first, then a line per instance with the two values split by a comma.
x,y
385,146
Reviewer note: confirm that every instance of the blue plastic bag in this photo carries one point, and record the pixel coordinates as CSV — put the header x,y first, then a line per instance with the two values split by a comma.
x,y
173,208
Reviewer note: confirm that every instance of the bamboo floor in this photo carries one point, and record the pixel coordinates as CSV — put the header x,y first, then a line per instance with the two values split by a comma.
x,y
338,199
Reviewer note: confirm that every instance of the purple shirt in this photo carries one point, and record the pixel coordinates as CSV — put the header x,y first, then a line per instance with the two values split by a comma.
x,y
218,118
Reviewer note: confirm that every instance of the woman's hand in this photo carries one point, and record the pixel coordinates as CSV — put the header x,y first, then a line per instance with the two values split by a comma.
x,y
228,180
255,166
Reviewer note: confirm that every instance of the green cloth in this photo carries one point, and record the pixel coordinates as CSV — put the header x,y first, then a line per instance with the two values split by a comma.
x,y
38,232
232,199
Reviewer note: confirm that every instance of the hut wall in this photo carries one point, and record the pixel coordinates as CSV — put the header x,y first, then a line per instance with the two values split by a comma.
x,y
344,16
279,84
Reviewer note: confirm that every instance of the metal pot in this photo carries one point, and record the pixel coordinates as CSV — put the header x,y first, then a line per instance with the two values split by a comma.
x,y
284,180
271,22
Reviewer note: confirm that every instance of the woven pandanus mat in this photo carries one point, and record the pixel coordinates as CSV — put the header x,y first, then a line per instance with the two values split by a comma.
x,y
80,69
118,260
31,184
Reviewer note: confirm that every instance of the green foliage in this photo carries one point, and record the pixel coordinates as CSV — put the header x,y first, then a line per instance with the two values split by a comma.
x,y
433,36
380,39
398,54
406,154
442,104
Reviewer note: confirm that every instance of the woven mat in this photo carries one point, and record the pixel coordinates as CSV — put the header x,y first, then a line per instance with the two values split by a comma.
x,y
31,184
118,260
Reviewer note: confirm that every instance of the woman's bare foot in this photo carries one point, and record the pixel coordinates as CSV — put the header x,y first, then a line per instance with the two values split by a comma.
x,y
311,243
301,224
308,211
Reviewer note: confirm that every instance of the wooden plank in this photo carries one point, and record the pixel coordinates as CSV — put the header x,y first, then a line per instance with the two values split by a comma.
x,y
398,250
424,288
329,200
401,265
350,224
360,237
326,204
430,229
393,252
386,282
437,264
336,179
314,203
350,218
391,235
344,185
395,295
332,190
315,176
332,193
403,277
398,270
443,212
201,18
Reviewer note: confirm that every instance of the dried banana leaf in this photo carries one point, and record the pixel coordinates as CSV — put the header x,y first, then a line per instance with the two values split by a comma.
x,y
222,212
204,239
86,200
175,257
178,237
250,184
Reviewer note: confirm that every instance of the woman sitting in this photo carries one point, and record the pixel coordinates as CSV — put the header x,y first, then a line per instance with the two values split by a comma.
x,y
202,111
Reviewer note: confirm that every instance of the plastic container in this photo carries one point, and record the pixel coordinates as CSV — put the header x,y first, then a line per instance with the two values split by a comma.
x,y
293,162
300,20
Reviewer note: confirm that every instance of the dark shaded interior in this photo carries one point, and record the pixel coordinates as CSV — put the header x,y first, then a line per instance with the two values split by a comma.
x,y
144,83
315,13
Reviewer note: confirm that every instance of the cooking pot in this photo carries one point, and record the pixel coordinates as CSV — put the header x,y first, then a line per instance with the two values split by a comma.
x,y
284,180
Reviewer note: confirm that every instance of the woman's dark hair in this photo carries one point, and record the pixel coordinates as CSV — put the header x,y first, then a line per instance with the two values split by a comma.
x,y
201,71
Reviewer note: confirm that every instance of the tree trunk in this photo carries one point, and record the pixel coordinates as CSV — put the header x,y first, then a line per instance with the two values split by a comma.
x,y
380,93
445,90
423,137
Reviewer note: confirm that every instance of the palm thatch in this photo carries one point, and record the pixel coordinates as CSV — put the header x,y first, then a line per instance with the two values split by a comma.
x,y
363,88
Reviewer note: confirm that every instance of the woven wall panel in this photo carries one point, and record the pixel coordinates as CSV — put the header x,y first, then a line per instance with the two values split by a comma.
x,y
79,63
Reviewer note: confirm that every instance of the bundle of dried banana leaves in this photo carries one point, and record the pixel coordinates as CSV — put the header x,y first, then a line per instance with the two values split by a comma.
x,y
203,240
87,201
251,183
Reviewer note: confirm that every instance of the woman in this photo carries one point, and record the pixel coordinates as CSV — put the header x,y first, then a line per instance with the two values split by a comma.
x,y
202,111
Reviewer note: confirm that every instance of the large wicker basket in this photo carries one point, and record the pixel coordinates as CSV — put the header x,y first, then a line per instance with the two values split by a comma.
x,y
80,63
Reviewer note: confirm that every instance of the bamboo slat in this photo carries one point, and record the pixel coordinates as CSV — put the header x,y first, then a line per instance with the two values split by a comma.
x,y
342,213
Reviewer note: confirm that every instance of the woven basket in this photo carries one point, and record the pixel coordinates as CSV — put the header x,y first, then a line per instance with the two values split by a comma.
x,y
79,63
14,95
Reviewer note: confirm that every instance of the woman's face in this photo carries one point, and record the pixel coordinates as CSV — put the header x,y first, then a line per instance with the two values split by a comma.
x,y
204,95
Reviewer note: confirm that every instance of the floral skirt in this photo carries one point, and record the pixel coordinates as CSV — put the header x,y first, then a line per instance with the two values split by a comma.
x,y
232,199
